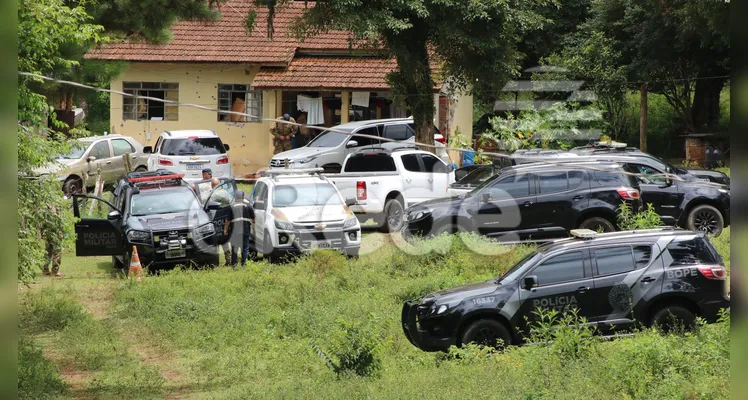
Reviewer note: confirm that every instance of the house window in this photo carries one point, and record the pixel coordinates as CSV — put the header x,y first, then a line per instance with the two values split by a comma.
x,y
239,98
139,108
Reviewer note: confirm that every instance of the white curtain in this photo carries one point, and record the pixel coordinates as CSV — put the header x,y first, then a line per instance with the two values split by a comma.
x,y
313,108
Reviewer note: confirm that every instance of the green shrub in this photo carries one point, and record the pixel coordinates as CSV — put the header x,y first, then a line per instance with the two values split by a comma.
x,y
352,350
49,309
565,334
646,219
38,377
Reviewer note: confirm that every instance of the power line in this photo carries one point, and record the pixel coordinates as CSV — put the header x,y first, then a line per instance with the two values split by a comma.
x,y
665,175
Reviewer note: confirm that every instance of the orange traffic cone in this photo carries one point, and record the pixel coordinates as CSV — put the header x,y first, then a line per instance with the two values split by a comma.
x,y
135,268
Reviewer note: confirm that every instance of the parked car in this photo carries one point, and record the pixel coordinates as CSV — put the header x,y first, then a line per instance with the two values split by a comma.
x,y
473,179
385,182
328,149
188,152
299,211
532,201
615,281
91,153
686,173
159,214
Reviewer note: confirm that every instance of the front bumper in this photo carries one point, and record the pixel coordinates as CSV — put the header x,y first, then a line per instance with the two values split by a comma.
x,y
419,337
156,257
421,227
346,241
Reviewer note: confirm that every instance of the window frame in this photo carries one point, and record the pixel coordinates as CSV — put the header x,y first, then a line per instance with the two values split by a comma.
x,y
253,102
139,89
418,162
538,180
114,151
596,271
106,144
378,128
532,182
439,161
586,273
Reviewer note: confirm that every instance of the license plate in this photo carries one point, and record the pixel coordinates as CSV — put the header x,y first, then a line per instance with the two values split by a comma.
x,y
194,166
319,245
176,253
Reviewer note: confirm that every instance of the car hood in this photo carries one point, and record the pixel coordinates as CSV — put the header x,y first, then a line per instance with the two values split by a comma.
x,y
316,213
462,292
157,222
55,167
303,152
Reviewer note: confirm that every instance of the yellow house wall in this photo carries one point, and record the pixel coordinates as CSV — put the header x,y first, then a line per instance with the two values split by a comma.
x,y
251,144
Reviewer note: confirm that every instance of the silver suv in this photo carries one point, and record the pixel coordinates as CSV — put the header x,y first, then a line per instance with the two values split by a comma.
x,y
88,154
188,152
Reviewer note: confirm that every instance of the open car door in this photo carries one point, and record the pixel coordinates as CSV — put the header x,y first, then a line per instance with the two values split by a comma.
x,y
98,232
218,205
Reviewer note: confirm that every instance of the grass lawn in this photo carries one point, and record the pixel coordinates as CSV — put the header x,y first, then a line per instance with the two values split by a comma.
x,y
324,327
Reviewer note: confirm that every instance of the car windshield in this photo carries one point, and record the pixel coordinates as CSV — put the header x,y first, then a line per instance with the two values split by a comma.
x,y
478,176
156,201
513,273
76,151
328,139
304,195
483,184
192,146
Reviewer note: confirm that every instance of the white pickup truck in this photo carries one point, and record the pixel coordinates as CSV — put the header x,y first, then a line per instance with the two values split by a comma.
x,y
386,181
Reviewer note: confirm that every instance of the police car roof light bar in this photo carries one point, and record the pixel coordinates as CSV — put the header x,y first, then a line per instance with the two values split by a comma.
x,y
156,178
583,233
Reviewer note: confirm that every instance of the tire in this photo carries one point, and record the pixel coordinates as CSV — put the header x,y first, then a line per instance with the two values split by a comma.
x,y
352,254
486,332
267,247
72,185
393,216
117,264
672,317
141,169
596,224
705,218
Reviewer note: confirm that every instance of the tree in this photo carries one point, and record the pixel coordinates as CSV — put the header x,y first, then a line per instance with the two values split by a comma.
x,y
473,42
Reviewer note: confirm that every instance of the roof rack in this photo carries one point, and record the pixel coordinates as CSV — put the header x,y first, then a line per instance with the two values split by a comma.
x,y
154,179
274,174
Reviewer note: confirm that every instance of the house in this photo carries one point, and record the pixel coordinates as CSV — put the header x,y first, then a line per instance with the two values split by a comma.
x,y
218,65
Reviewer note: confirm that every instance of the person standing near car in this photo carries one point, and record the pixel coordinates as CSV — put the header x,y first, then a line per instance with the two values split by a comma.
x,y
242,217
53,237
282,134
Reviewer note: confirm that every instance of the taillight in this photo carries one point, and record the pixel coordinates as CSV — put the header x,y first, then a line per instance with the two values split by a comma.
x,y
441,140
628,193
164,161
719,273
361,190
223,160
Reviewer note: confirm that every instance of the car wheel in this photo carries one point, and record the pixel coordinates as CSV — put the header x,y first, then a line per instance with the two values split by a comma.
x,y
267,246
393,216
72,185
672,317
705,218
116,263
597,224
141,169
126,264
487,332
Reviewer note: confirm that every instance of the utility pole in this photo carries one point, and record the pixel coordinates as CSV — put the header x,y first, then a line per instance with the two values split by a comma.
x,y
643,118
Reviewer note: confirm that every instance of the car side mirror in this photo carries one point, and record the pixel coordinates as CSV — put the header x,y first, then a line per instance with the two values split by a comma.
x,y
91,158
259,205
350,201
227,147
147,149
114,215
530,282
450,168
485,197
212,206
351,143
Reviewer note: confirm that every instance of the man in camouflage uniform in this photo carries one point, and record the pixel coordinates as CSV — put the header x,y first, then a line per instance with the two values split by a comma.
x,y
53,237
282,134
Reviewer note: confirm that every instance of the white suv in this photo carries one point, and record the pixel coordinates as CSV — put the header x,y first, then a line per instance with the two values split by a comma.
x,y
188,152
299,211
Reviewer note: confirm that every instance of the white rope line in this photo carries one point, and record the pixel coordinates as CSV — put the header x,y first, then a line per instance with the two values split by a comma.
x,y
665,175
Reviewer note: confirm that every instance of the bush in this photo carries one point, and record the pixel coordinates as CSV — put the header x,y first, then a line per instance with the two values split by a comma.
x,y
353,350
647,219
38,378
50,309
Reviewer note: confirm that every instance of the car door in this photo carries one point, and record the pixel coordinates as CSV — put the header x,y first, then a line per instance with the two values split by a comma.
x,y
397,132
564,283
439,175
218,205
356,143
120,147
259,193
506,206
665,195
98,230
620,279
559,194
103,159
415,182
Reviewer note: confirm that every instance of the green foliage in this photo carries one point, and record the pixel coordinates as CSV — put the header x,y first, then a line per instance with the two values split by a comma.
x,y
50,309
38,377
662,123
352,349
564,334
627,220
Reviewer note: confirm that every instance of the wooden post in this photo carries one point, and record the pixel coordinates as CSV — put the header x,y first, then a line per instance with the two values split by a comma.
x,y
643,118
128,162
345,106
97,190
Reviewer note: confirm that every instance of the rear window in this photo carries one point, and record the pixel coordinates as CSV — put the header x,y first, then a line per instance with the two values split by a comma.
x,y
192,146
693,251
365,163
615,177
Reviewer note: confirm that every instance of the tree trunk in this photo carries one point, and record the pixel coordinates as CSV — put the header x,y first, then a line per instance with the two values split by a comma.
x,y
643,91
705,110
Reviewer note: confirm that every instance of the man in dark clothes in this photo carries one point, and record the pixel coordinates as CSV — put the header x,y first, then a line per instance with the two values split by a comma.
x,y
241,222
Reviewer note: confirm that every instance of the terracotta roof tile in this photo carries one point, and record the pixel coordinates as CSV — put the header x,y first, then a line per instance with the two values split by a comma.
x,y
225,40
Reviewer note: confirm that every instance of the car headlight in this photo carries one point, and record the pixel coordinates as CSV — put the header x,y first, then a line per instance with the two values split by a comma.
x,y
441,309
725,191
205,230
139,236
306,160
350,222
418,215
283,225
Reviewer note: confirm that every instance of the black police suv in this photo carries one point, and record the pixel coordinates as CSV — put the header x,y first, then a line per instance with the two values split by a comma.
x,y
159,214
616,281
532,201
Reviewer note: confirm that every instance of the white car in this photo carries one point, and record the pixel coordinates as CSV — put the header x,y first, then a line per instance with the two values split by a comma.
x,y
328,149
385,182
299,211
188,152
